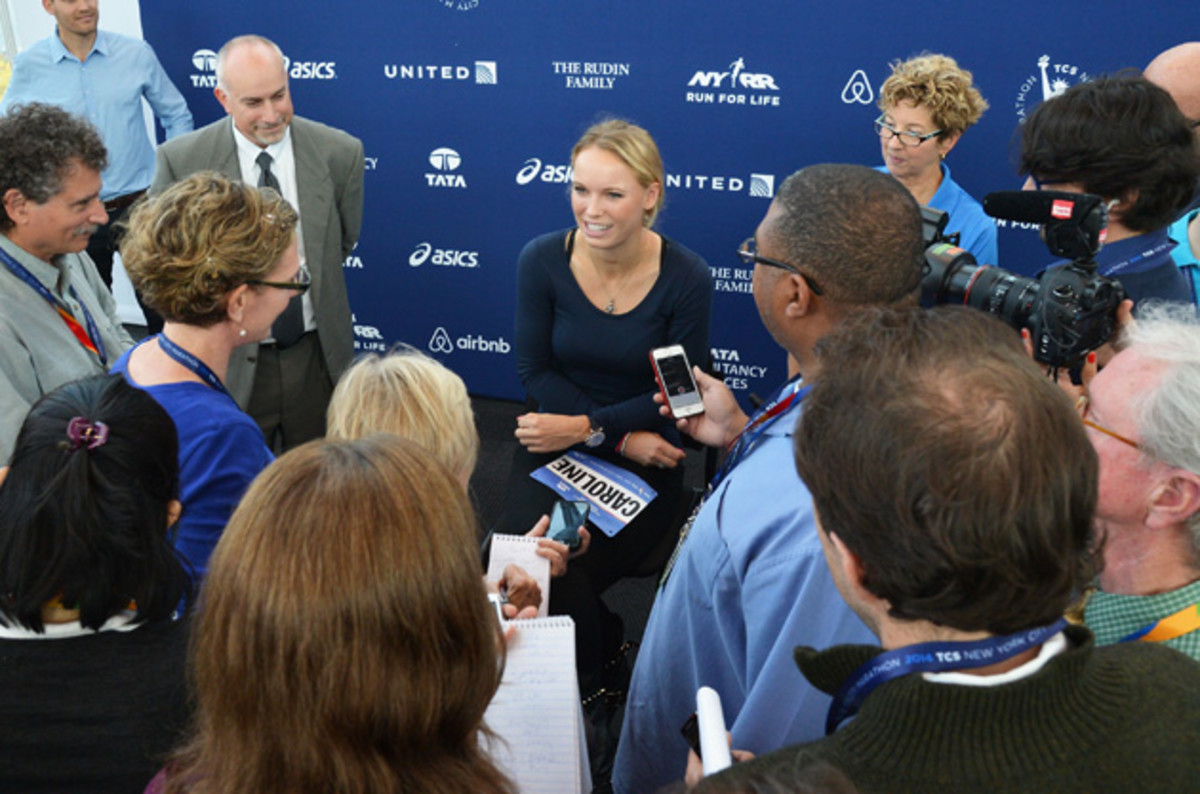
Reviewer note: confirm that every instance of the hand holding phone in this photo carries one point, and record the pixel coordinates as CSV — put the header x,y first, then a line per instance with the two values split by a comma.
x,y
565,520
675,381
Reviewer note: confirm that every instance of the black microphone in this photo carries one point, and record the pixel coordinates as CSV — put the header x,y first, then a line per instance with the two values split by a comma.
x,y
1040,206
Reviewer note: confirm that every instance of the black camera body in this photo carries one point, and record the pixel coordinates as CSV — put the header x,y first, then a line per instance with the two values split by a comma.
x,y
1069,309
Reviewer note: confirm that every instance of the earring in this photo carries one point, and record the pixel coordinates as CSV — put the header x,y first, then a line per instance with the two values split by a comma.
x,y
241,332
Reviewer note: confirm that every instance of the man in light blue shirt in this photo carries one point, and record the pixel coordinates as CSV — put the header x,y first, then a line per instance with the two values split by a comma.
x,y
750,582
102,77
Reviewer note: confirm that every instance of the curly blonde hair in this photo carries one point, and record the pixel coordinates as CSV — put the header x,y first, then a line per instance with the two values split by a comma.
x,y
187,248
938,83
636,148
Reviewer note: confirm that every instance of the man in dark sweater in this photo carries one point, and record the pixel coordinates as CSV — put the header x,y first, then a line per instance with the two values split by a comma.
x,y
954,487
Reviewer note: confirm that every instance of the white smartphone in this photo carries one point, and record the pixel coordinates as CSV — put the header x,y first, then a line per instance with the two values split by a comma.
x,y
674,375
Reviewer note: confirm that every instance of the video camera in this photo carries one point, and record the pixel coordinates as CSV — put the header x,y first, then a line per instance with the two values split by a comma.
x,y
1069,309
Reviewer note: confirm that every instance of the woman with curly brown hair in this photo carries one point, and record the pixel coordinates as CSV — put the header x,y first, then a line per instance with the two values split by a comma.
x,y
217,259
928,102
344,642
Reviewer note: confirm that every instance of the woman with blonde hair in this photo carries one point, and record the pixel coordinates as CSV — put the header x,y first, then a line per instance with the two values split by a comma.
x,y
413,396
928,102
345,642
592,302
218,260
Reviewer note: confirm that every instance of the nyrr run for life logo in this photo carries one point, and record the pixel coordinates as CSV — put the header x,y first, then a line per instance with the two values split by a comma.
x,y
858,89
736,86
1050,80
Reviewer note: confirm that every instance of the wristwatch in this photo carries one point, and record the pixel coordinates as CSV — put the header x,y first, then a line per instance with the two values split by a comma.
x,y
595,436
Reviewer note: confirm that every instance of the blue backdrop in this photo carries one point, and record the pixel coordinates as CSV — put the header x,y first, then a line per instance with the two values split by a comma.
x,y
468,110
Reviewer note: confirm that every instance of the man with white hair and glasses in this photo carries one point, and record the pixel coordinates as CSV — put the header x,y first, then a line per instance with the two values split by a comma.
x,y
1142,412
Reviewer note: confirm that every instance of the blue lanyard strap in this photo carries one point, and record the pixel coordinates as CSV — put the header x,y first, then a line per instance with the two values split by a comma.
x,y
91,338
762,419
1141,260
192,363
930,657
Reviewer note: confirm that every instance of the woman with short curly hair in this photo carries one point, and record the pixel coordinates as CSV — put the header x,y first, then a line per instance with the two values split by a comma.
x,y
218,260
928,102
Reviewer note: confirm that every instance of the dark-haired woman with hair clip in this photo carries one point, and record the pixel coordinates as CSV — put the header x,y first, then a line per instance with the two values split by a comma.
x,y
92,648
218,260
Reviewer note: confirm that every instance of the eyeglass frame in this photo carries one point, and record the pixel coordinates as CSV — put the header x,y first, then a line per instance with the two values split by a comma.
x,y
752,257
903,135
300,285
1081,405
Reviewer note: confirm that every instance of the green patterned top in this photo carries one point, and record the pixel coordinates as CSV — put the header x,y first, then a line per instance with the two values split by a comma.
x,y
1111,617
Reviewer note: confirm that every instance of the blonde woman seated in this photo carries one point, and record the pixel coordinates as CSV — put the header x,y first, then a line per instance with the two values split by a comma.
x,y
344,642
413,396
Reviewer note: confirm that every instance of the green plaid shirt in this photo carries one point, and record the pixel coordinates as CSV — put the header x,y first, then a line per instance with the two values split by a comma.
x,y
1111,617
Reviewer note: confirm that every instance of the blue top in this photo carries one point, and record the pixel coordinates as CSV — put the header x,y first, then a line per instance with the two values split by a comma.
x,y
574,358
1183,255
976,229
106,89
221,450
749,585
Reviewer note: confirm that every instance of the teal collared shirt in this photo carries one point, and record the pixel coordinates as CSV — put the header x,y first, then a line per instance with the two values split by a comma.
x,y
1111,616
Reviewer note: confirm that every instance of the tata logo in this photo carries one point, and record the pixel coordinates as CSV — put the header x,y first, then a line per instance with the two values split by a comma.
x,y
310,70
445,257
533,169
205,62
736,77
445,159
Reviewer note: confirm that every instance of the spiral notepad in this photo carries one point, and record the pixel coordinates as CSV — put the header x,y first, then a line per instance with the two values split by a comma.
x,y
535,713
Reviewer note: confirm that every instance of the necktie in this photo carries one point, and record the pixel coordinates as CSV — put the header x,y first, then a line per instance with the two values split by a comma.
x,y
289,326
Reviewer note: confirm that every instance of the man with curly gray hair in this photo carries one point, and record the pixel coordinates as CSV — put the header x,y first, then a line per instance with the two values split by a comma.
x,y
1142,412
58,322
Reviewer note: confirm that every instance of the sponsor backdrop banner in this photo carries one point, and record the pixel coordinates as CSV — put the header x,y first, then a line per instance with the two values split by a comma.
x,y
468,110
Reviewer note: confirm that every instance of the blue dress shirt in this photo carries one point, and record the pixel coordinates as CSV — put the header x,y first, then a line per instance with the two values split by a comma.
x,y
106,88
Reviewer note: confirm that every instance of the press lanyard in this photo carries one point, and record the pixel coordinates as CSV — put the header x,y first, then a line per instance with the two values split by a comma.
x,y
90,338
930,657
198,367
1140,257
763,418
1177,624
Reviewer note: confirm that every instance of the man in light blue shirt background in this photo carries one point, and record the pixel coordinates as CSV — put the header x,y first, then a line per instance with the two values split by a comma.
x,y
103,77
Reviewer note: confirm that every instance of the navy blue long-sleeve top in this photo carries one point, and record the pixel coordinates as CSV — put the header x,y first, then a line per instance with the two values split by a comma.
x,y
574,358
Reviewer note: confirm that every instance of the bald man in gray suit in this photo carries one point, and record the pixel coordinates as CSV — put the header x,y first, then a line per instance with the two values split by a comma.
x,y
285,382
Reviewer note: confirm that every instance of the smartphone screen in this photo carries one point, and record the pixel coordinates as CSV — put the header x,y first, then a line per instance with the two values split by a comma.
x,y
675,380
565,520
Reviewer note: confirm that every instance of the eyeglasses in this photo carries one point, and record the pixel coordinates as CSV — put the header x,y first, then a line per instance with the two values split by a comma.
x,y
887,132
1082,405
749,254
300,284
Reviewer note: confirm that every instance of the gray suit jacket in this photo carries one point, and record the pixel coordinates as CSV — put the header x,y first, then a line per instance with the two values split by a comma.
x,y
329,176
